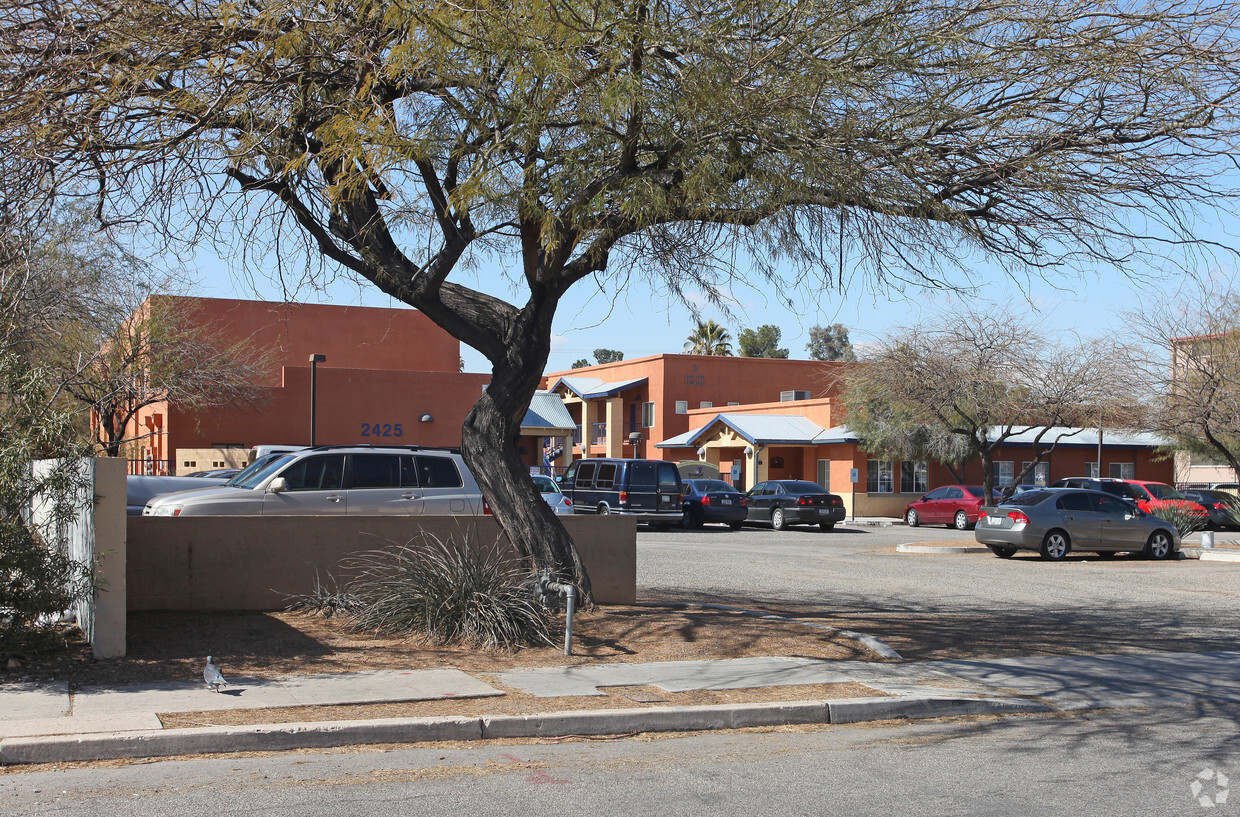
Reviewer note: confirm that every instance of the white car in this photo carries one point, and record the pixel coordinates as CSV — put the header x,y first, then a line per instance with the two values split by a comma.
x,y
334,480
554,496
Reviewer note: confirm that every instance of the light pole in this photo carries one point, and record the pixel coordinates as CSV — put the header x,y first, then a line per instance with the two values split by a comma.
x,y
315,360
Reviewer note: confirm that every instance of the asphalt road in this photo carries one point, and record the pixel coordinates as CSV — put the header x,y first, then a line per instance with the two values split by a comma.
x,y
969,605
1112,764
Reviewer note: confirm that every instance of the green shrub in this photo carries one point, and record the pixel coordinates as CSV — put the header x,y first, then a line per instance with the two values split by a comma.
x,y
1185,521
445,591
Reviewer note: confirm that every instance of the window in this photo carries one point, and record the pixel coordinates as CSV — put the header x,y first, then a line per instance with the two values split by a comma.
x,y
1091,470
682,407
937,493
584,475
824,474
730,403
1115,507
914,477
1040,475
668,477
641,474
1122,470
648,415
1005,473
1076,502
377,470
954,493
606,475
316,473
437,472
706,404
878,477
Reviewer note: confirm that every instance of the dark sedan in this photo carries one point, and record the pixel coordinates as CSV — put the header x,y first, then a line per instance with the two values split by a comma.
x,y
784,502
1222,507
713,500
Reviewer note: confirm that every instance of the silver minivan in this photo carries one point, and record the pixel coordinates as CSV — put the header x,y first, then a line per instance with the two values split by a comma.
x,y
334,480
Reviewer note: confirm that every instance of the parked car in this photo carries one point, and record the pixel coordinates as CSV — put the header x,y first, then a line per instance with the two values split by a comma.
x,y
1218,505
1225,486
1057,522
647,489
713,500
551,492
1145,494
333,480
957,506
221,473
141,489
784,502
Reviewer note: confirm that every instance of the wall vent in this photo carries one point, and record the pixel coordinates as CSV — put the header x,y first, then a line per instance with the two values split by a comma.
x,y
789,396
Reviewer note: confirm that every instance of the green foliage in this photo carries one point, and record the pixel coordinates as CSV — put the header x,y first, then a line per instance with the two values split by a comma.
x,y
761,342
709,338
580,363
1231,507
608,355
445,591
830,343
1185,521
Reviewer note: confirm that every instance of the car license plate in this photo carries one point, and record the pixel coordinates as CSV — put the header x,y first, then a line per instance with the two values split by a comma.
x,y
725,502
994,520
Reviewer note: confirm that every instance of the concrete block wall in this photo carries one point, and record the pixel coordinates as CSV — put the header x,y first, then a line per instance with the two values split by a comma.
x,y
256,562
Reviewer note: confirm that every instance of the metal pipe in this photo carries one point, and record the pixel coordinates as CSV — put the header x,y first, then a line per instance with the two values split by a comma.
x,y
570,593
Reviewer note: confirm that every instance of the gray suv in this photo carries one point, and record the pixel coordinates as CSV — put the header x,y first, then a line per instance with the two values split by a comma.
x,y
333,480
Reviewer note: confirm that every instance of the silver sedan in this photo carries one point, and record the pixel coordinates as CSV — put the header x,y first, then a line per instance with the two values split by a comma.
x,y
554,496
1056,521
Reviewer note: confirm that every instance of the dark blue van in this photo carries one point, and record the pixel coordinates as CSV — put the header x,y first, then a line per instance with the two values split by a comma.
x,y
647,489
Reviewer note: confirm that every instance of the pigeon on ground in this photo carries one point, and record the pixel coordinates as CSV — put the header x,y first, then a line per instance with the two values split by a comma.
x,y
212,675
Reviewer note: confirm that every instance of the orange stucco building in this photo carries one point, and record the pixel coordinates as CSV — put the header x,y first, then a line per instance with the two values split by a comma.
x,y
391,376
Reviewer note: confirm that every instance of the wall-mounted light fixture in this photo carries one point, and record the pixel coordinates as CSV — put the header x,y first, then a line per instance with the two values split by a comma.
x,y
749,451
701,453
426,418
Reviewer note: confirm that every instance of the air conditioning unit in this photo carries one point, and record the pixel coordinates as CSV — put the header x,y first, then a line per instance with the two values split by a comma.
x,y
789,396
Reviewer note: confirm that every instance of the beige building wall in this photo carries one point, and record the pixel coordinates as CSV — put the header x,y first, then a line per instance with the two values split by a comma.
x,y
256,563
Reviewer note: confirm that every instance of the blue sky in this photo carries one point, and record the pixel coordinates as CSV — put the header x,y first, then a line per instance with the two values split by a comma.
x,y
638,321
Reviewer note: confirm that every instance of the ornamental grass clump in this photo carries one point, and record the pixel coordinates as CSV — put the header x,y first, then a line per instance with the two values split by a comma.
x,y
447,591
1185,521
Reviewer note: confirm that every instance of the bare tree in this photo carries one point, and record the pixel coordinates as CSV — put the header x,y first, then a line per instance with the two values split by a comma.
x,y
156,351
962,385
409,142
1189,369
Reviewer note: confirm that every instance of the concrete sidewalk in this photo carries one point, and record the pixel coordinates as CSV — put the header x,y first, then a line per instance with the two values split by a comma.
x,y
44,724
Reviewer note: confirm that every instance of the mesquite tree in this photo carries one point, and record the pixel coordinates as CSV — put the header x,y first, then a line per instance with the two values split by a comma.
x,y
407,142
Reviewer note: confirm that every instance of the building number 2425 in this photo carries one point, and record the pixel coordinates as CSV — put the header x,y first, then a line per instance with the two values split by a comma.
x,y
383,430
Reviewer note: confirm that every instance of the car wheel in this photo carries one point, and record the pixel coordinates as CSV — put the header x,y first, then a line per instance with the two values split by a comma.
x,y
603,509
694,518
777,519
827,525
912,519
736,525
1159,546
1056,545
1002,551
962,521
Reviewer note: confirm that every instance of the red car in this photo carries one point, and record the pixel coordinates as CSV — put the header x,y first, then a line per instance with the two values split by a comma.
x,y
1151,495
957,506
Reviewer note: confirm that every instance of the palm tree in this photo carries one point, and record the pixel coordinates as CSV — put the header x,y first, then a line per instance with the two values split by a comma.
x,y
709,338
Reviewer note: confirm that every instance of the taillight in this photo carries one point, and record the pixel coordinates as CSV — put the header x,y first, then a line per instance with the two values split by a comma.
x,y
486,508
706,500
568,502
744,502
1018,517
805,501
624,497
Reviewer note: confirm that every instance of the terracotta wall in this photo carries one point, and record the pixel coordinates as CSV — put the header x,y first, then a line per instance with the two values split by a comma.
x,y
254,562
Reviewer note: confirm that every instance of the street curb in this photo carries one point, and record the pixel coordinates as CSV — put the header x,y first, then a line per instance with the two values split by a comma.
x,y
1211,554
330,734
941,549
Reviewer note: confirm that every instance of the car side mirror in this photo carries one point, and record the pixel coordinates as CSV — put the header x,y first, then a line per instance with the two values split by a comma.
x,y
277,486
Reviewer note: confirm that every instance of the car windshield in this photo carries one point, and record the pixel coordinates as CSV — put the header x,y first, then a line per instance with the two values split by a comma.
x,y
704,485
259,470
1160,491
800,487
1029,498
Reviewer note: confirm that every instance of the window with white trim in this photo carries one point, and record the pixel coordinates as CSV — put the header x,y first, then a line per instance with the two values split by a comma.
x,y
706,404
1005,473
914,477
824,474
1091,470
1122,470
648,415
1040,475
682,406
878,477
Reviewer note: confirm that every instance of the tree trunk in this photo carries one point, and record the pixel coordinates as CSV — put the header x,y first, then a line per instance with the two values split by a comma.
x,y
489,445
